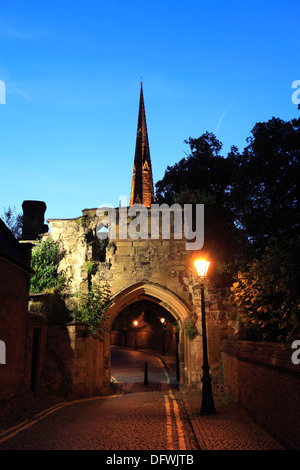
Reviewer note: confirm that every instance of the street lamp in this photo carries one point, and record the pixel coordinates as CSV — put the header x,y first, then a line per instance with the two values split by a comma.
x,y
163,336
207,406
135,341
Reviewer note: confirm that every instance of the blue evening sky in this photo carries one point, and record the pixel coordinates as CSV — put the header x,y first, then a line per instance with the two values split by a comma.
x,y
72,72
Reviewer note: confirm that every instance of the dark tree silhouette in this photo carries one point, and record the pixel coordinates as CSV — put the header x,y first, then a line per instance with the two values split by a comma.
x,y
13,221
264,195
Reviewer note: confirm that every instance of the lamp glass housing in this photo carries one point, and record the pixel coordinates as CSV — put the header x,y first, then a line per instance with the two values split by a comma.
x,y
202,267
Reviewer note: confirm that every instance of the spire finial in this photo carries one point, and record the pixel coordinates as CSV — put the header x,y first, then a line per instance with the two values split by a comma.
x,y
142,191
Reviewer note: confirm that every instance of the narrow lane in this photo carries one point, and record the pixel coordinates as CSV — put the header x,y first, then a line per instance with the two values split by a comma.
x,y
142,418
128,366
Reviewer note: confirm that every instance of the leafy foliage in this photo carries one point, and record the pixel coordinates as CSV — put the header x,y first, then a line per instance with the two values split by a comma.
x,y
205,176
267,293
191,329
45,259
91,310
204,170
250,198
90,267
263,193
13,221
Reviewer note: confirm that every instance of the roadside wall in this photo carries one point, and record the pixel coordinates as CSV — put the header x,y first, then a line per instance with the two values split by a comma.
x,y
263,378
75,364
13,327
20,374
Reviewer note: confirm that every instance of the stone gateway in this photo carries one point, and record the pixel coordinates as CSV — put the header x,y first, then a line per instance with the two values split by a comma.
x,y
157,270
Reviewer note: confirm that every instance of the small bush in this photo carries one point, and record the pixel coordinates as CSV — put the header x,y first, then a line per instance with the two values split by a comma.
x,y
191,329
45,259
266,293
90,267
91,310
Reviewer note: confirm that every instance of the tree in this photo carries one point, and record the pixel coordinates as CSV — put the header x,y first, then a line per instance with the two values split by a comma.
x,y
46,256
206,176
263,194
91,310
13,221
267,293
203,170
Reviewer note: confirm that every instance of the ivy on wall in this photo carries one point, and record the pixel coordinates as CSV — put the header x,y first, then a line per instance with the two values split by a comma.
x,y
91,310
191,329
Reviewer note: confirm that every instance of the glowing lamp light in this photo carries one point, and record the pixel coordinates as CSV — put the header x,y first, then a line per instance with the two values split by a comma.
x,y
208,406
135,335
202,267
163,320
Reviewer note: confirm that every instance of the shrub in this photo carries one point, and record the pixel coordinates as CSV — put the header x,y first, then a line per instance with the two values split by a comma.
x,y
91,310
191,329
45,259
267,293
90,267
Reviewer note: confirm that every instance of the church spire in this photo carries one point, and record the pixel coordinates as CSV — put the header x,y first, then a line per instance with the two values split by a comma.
x,y
142,191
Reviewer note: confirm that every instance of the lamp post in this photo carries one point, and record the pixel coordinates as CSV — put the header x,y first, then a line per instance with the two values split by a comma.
x,y
135,337
163,336
177,357
207,406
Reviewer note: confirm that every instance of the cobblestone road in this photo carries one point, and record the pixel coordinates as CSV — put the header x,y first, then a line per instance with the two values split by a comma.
x,y
128,366
141,418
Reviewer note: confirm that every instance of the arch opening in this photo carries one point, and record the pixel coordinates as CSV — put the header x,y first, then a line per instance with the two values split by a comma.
x,y
147,304
144,325
141,328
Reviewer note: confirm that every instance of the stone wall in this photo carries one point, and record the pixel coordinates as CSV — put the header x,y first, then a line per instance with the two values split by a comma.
x,y
74,363
164,264
262,378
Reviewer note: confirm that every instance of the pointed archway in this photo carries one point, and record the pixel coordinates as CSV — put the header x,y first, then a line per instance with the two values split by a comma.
x,y
167,299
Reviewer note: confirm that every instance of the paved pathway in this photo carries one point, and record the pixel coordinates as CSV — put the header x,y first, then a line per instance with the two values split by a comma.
x,y
134,421
149,417
153,417
128,367
231,428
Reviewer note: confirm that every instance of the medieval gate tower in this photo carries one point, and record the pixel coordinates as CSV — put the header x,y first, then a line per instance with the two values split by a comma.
x,y
155,269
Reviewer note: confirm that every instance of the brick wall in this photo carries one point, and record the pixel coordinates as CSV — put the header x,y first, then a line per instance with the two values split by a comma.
x,y
20,375
13,329
262,378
